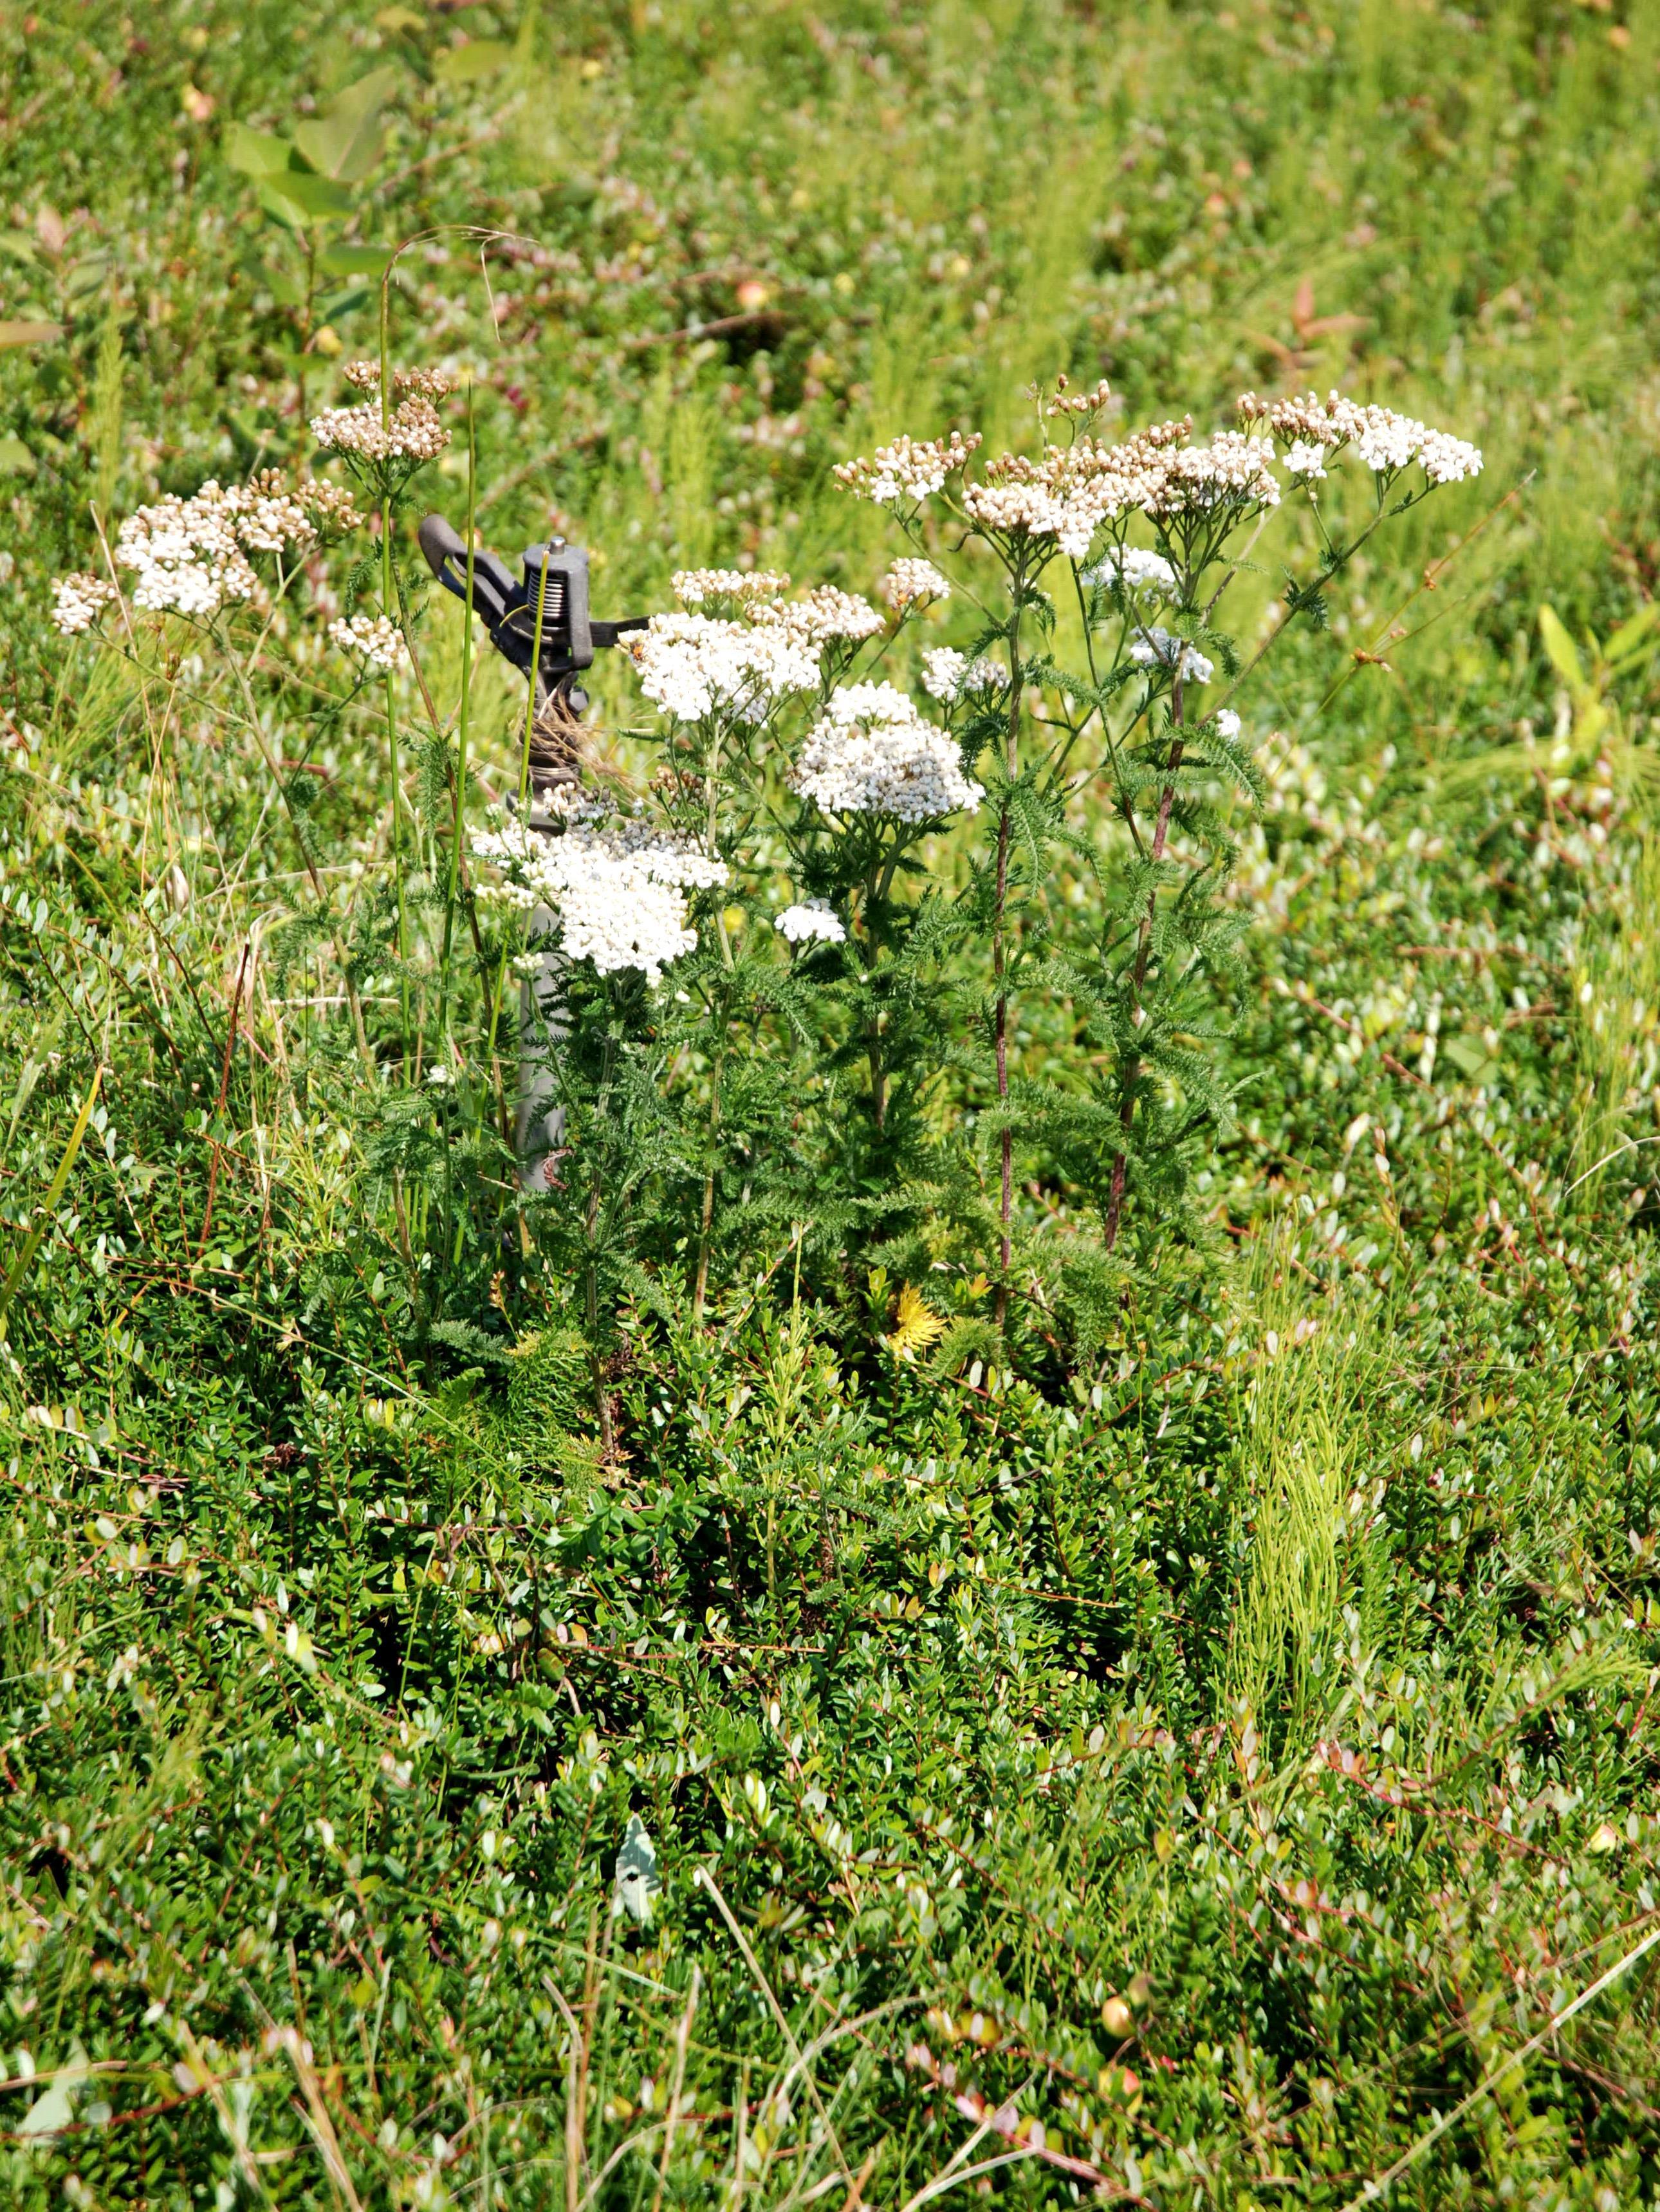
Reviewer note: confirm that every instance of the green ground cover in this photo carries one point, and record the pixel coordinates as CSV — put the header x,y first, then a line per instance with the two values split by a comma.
x,y
1175,1724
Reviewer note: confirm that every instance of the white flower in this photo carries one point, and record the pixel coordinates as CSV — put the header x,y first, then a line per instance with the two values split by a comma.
x,y
1447,459
619,892
185,553
813,920
947,674
693,666
1386,442
412,432
76,601
907,469
1305,458
824,616
693,586
910,583
1227,724
872,753
191,555
377,639
1134,570
1158,647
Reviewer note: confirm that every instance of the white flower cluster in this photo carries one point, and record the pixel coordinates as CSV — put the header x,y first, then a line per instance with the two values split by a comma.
x,y
1230,470
692,586
812,922
619,892
406,383
909,583
1306,458
948,675
692,666
411,433
824,616
185,554
376,637
1226,723
77,601
907,469
1134,570
190,556
1028,504
1159,647
1385,442
872,753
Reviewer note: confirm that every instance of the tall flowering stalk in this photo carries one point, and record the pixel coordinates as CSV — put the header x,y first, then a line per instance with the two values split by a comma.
x,y
1141,713
384,441
799,953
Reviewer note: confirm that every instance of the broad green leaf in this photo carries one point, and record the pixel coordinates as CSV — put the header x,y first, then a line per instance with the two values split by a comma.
x,y
53,2110
18,242
313,199
1470,1056
16,334
15,459
479,57
1564,654
637,1879
87,277
1632,636
353,260
284,289
335,304
256,153
346,143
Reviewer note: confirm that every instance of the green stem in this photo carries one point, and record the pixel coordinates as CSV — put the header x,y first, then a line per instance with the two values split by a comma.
x,y
1144,946
388,601
458,810
999,962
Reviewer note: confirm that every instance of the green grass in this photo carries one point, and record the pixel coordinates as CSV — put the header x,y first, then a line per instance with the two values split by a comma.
x,y
1227,1741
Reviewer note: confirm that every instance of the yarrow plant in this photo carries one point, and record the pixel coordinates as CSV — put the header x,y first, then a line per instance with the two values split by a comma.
x,y
918,827
615,889
781,983
1154,525
871,752
191,556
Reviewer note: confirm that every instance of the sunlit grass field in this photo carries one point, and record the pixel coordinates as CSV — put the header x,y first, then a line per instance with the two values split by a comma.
x,y
1203,1757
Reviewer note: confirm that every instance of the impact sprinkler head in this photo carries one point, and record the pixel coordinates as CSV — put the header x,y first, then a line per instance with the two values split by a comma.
x,y
557,576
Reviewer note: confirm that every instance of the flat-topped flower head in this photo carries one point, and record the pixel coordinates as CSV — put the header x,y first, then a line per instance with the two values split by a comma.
x,y
1306,458
185,554
949,676
694,587
77,602
812,922
618,888
384,447
824,617
913,584
374,638
1383,441
406,383
1133,568
871,752
1228,471
908,470
694,666
190,556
